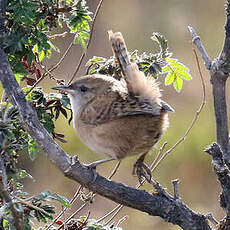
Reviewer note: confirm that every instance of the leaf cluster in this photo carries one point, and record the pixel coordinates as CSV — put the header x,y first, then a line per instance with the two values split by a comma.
x,y
83,223
154,64
15,141
37,207
30,25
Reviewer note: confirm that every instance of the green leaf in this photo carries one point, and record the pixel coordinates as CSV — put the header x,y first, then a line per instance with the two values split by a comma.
x,y
64,201
178,84
185,75
33,149
166,69
5,223
24,174
41,55
161,40
169,79
18,77
176,72
95,59
81,38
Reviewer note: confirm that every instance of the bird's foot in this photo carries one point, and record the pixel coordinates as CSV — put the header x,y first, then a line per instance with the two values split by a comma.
x,y
92,167
141,170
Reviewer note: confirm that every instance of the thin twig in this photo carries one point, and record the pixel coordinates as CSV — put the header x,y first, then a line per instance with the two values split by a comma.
x,y
113,210
88,43
109,213
75,197
62,35
47,72
70,217
114,170
62,58
22,201
196,116
198,43
119,207
158,154
121,220
114,215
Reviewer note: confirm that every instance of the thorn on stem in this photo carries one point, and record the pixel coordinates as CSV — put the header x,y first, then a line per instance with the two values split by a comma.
x,y
175,188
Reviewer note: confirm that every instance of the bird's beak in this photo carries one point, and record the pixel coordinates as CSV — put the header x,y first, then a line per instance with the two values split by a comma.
x,y
64,88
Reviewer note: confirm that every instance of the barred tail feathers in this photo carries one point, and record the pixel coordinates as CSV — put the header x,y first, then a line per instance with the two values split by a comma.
x,y
137,83
119,50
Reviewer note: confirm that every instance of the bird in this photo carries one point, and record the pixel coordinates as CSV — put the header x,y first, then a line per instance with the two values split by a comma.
x,y
119,117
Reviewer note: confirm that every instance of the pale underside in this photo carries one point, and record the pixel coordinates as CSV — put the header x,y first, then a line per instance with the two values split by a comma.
x,y
120,124
116,138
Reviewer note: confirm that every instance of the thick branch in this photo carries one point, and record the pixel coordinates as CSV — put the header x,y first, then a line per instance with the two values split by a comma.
x,y
218,80
3,31
222,173
224,58
220,106
160,204
219,72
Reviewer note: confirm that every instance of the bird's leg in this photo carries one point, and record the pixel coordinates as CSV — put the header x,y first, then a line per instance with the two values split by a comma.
x,y
96,163
141,169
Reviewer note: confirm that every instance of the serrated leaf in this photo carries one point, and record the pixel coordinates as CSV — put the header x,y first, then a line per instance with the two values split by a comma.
x,y
81,38
169,79
178,84
166,69
41,55
18,77
95,59
5,223
33,149
24,174
161,40
184,74
64,201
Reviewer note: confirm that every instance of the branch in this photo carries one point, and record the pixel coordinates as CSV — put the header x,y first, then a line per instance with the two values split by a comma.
x,y
3,30
17,217
222,173
218,80
219,72
196,40
159,204
224,58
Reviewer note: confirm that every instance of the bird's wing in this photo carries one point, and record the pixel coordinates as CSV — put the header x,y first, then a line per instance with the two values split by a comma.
x,y
101,111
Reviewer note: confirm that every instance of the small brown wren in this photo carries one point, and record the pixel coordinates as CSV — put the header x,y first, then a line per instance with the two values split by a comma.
x,y
119,118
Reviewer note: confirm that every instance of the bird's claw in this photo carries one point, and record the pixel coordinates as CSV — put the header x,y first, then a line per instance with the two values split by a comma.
x,y
141,170
92,167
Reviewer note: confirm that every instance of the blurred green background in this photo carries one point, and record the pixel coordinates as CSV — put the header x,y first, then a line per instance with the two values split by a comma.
x,y
137,20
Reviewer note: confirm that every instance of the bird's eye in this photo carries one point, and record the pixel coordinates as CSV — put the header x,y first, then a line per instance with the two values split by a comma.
x,y
83,88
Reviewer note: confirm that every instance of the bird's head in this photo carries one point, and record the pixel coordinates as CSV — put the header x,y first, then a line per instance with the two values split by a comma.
x,y
87,88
